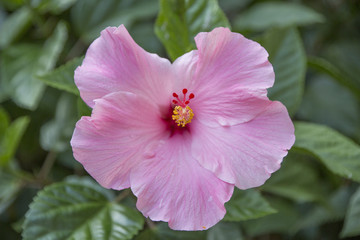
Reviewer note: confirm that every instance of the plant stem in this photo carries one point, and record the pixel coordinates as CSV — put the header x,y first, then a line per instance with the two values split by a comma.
x,y
47,165
122,195
150,223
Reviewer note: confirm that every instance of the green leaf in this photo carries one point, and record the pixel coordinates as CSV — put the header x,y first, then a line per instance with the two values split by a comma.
x,y
320,106
52,48
233,6
83,108
90,17
52,6
4,121
55,135
25,90
9,188
332,212
352,224
144,35
12,4
17,59
63,77
163,232
179,21
16,24
225,231
2,16
280,222
287,55
247,204
276,14
345,55
11,139
79,210
338,153
324,66
291,182
22,63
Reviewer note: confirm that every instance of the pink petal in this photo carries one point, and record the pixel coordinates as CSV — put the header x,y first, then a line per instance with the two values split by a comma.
x,y
228,59
224,60
185,68
173,187
231,107
120,131
114,62
245,154
228,74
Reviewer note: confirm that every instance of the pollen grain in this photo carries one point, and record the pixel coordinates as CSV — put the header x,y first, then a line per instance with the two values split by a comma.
x,y
182,116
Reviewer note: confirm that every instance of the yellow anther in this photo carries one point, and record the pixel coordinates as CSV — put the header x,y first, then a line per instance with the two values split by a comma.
x,y
182,116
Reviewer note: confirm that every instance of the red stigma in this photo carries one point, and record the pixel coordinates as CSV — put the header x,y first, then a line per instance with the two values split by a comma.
x,y
185,101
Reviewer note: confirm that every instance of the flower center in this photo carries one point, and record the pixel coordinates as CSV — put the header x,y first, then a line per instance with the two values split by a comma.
x,y
182,113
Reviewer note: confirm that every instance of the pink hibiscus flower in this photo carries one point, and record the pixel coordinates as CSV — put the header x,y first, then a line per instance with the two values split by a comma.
x,y
180,135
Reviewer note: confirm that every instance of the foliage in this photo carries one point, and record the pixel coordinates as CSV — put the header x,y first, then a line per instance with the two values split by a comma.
x,y
315,52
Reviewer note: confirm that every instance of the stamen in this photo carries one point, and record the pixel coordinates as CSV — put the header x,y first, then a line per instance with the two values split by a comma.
x,y
182,113
182,116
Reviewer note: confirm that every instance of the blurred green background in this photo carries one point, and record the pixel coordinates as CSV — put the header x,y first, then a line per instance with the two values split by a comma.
x,y
314,47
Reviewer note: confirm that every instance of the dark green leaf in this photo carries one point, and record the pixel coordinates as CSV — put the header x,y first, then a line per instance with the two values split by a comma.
x,y
23,62
276,14
18,62
63,77
26,90
52,48
15,25
52,6
333,211
4,122
55,135
83,108
179,21
2,16
291,182
338,153
280,222
225,231
245,205
79,210
11,138
9,187
144,35
163,232
67,159
352,224
345,55
90,17
12,4
324,66
287,55
320,106
231,5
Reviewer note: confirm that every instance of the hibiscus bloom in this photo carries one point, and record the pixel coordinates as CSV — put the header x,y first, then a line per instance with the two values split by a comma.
x,y
181,135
